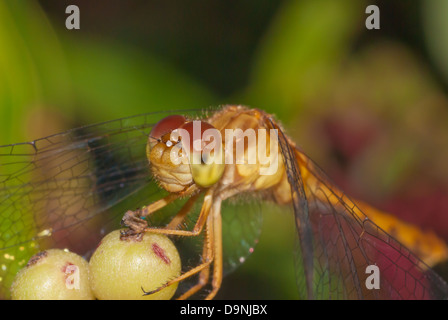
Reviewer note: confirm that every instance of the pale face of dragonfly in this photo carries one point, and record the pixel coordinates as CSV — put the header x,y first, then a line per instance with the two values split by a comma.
x,y
81,179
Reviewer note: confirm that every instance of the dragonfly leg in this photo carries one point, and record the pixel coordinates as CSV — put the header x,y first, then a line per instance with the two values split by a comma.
x,y
207,254
203,268
197,229
176,222
217,247
214,224
203,280
135,219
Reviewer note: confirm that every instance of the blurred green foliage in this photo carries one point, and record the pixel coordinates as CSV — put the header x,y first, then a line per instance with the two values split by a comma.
x,y
304,60
300,52
435,27
32,66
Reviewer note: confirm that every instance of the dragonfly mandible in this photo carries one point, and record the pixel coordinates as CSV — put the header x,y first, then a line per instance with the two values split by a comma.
x,y
67,190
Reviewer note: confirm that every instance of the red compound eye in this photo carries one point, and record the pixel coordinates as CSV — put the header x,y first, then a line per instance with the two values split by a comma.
x,y
166,125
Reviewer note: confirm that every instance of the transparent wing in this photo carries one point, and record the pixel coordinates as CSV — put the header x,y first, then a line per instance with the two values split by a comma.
x,y
301,213
344,243
61,191
348,243
68,190
242,221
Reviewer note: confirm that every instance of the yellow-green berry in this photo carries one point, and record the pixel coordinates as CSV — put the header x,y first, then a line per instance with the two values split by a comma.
x,y
53,275
121,268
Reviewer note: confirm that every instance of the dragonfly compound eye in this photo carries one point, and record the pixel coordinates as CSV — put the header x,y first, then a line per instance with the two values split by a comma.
x,y
165,126
204,148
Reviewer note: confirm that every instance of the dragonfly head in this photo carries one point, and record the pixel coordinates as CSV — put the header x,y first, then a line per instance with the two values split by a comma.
x,y
183,153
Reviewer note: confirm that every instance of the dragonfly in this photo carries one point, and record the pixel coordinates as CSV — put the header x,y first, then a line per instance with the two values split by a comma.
x,y
69,189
